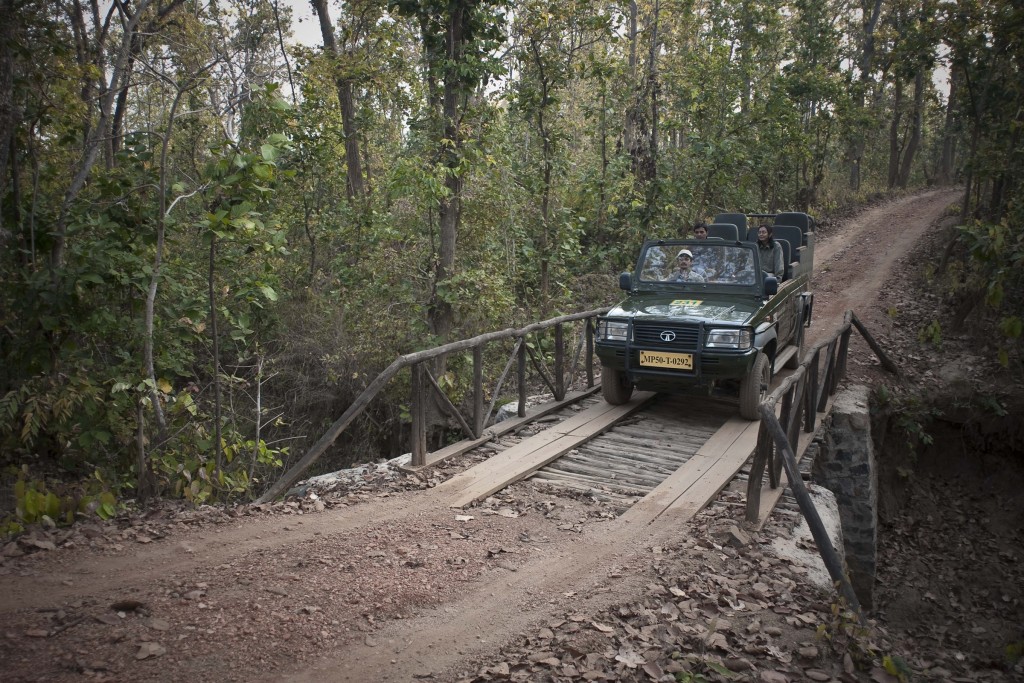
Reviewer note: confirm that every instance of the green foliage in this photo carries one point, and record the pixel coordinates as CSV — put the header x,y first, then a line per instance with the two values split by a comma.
x,y
996,267
931,333
56,504
1014,652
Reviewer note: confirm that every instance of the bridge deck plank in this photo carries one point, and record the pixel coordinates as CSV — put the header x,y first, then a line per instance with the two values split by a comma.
x,y
528,456
702,476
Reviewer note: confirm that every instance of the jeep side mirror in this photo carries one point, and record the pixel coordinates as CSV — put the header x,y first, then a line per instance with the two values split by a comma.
x,y
626,281
771,285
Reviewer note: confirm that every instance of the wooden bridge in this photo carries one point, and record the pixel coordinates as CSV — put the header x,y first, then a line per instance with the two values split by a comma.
x,y
657,457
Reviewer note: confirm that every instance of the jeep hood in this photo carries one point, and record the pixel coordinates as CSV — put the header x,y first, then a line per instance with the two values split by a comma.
x,y
690,307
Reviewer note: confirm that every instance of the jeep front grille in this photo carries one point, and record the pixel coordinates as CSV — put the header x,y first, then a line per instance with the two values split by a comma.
x,y
682,336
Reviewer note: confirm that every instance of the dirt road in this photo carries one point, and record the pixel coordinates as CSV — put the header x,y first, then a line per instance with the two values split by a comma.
x,y
378,586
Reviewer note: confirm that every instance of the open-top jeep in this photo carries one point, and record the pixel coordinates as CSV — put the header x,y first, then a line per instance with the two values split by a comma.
x,y
718,325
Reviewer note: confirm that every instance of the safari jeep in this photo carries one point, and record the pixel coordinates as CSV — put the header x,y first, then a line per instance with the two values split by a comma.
x,y
722,329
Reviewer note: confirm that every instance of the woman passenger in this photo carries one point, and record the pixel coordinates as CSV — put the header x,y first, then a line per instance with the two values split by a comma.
x,y
770,253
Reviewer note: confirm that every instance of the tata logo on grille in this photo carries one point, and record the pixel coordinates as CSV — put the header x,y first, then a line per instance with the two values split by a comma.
x,y
668,335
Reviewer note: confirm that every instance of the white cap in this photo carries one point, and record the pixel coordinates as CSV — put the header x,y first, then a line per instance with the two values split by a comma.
x,y
687,252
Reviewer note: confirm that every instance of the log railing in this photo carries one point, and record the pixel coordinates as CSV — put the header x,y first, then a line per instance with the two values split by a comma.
x,y
424,385
803,397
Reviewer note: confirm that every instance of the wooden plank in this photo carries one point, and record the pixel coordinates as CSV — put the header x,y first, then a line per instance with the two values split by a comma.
x,y
583,417
635,458
596,480
654,503
507,467
536,452
494,466
605,469
500,429
714,480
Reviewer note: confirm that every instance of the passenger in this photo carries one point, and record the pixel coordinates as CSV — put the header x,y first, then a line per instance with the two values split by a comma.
x,y
683,271
770,253
700,231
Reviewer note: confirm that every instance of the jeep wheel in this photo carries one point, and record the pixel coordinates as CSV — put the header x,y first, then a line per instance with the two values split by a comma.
x,y
754,387
615,386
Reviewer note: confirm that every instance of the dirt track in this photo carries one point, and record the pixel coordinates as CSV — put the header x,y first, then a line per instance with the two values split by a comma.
x,y
388,588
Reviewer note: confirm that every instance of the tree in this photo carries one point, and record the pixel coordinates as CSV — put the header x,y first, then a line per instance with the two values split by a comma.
x,y
458,38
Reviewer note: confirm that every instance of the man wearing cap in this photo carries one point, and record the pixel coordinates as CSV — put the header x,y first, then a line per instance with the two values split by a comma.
x,y
683,271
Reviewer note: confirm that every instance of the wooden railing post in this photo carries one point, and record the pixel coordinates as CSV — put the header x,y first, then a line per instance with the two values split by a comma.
x,y
784,414
826,384
796,416
521,378
844,345
418,410
590,352
478,390
760,461
559,363
811,394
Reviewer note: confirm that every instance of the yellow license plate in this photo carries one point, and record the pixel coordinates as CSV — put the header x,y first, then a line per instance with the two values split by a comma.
x,y
660,359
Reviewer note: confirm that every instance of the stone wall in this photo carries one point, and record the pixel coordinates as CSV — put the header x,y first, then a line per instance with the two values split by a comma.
x,y
846,466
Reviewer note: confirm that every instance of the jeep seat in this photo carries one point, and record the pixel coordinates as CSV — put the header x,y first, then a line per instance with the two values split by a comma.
x,y
737,219
793,236
725,231
801,220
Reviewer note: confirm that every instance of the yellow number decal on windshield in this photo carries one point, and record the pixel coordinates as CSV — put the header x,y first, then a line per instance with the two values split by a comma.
x,y
687,302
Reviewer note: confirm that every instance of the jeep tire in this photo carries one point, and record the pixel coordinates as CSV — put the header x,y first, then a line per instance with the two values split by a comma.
x,y
754,387
615,386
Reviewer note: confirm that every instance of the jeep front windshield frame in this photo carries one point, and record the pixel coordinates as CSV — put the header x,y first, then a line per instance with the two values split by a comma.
x,y
714,264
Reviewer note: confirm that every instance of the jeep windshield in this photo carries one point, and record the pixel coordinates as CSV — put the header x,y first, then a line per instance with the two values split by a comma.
x,y
698,262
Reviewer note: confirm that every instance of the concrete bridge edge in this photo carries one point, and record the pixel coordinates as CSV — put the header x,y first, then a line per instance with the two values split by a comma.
x,y
846,465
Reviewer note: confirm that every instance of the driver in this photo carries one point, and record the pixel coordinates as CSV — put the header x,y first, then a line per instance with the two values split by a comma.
x,y
683,271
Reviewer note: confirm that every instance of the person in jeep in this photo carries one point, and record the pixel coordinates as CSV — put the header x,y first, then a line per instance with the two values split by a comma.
x,y
770,252
683,271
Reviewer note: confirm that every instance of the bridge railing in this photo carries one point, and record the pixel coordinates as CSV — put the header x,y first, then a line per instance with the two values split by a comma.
x,y
424,385
803,397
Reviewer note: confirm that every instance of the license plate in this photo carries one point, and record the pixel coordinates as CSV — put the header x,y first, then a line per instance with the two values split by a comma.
x,y
660,359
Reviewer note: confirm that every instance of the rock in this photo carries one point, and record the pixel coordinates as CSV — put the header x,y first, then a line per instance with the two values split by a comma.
x,y
158,624
147,650
12,550
734,536
773,677
738,664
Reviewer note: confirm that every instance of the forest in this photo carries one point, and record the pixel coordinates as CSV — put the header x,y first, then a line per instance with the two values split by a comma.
x,y
214,237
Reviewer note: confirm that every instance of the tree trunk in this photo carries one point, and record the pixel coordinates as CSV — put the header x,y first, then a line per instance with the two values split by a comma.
x,y
442,317
354,185
894,133
8,111
855,149
914,137
949,137
215,349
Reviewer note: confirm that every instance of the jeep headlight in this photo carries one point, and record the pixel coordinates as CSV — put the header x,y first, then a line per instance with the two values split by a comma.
x,y
728,339
610,330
